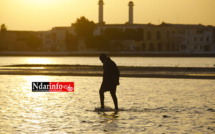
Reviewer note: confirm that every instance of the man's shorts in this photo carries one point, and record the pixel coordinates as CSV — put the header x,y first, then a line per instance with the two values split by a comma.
x,y
108,87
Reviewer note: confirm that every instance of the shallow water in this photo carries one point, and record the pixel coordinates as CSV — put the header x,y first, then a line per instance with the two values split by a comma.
x,y
120,61
146,106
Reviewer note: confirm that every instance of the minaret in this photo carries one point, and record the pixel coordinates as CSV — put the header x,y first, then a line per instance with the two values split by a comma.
x,y
101,3
130,4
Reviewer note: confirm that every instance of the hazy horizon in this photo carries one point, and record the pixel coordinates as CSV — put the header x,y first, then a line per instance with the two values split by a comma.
x,y
39,15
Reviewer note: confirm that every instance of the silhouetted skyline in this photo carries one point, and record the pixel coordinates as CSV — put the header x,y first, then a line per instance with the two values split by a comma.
x,y
43,15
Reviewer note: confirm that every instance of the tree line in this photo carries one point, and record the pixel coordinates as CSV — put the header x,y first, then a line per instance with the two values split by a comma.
x,y
84,29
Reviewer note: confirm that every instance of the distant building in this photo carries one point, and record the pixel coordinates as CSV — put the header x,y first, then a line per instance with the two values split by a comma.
x,y
55,39
19,41
167,37
177,38
198,40
125,45
151,38
100,28
162,38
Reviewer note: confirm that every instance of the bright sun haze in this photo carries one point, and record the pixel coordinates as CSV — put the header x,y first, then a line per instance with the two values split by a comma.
x,y
45,14
40,2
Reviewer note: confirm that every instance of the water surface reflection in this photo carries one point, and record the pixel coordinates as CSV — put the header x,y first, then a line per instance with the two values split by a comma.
x,y
147,106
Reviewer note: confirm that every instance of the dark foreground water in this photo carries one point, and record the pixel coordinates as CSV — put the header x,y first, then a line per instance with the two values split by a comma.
x,y
146,106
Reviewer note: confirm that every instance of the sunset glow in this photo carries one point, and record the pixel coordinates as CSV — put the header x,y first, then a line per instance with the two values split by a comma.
x,y
45,14
40,2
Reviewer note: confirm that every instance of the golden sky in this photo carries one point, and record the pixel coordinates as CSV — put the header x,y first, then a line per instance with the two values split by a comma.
x,y
45,14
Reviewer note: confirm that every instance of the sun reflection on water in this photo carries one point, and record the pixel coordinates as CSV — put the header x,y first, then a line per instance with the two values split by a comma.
x,y
38,60
144,106
37,67
37,78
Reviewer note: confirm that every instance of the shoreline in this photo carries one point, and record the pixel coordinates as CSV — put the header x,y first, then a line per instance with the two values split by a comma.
x,y
125,71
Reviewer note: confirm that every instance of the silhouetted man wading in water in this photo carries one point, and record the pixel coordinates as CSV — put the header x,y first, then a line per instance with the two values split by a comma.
x,y
110,79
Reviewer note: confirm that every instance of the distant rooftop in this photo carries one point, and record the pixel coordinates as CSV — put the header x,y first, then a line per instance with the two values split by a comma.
x,y
149,24
61,28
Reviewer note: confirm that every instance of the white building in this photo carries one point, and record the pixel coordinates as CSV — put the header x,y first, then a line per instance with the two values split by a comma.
x,y
198,40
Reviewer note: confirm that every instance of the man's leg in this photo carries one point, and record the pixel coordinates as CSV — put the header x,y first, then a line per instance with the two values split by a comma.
x,y
101,93
113,94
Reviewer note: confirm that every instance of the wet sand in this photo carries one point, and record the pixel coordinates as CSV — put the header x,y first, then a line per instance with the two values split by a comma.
x,y
125,71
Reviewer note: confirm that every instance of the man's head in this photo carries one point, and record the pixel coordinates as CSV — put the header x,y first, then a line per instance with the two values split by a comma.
x,y
103,57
